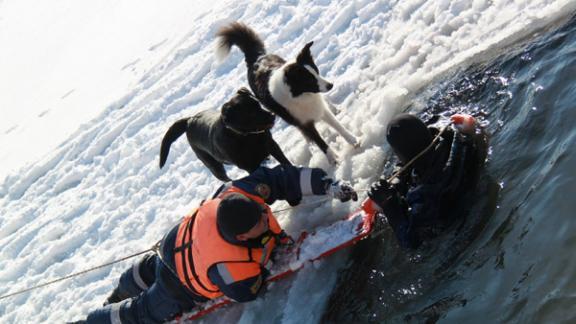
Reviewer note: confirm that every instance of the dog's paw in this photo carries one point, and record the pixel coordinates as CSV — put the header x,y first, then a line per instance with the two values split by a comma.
x,y
352,140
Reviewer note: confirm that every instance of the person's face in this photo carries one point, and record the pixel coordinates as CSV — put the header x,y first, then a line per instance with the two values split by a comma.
x,y
260,228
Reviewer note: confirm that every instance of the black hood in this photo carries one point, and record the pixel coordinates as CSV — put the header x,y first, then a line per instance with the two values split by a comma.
x,y
408,136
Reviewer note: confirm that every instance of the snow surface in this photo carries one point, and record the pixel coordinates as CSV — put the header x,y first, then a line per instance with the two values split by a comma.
x,y
327,238
63,61
99,194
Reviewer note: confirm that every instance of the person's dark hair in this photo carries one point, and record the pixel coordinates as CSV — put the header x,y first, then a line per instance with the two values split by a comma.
x,y
408,136
237,214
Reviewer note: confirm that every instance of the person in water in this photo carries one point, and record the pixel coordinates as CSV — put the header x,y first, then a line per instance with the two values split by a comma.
x,y
421,201
221,248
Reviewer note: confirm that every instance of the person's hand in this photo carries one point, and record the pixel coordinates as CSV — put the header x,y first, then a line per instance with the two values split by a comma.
x,y
342,190
284,239
380,192
465,123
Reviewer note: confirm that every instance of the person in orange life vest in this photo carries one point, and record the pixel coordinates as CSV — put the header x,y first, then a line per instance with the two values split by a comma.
x,y
221,249
424,199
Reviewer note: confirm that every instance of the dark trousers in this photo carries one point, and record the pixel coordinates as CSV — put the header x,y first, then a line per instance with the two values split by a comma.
x,y
154,295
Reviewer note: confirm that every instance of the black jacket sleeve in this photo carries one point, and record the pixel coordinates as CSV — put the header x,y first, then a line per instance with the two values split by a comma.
x,y
454,169
398,216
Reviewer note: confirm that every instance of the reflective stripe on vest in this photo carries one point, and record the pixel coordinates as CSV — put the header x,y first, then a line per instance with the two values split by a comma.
x,y
193,257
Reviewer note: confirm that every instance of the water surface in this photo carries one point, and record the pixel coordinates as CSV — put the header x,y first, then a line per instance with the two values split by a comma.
x,y
511,258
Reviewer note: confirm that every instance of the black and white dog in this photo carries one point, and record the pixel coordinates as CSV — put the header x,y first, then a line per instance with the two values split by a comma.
x,y
292,90
239,135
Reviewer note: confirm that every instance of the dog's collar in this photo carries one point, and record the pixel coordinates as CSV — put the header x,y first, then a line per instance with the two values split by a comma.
x,y
234,130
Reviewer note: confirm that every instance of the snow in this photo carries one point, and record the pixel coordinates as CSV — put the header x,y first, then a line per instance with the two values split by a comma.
x,y
64,61
327,238
92,87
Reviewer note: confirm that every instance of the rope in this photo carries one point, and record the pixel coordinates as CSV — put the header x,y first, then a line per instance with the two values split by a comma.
x,y
407,165
154,248
394,175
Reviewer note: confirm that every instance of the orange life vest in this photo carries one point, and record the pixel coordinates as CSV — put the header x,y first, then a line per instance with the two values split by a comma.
x,y
200,246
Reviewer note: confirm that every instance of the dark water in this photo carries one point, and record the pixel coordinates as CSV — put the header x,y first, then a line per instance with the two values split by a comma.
x,y
512,258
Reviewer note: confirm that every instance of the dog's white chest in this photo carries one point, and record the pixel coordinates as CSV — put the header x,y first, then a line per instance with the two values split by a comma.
x,y
305,108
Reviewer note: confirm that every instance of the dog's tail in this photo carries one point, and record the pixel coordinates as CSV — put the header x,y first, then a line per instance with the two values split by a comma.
x,y
177,129
242,36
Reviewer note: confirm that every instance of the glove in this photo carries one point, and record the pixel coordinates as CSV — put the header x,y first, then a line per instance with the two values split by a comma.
x,y
381,192
341,190
464,123
285,245
285,239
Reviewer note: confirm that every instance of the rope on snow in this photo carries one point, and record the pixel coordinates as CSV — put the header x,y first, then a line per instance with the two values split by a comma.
x,y
81,272
152,249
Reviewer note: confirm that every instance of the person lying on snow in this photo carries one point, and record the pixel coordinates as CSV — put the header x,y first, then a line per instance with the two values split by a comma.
x,y
221,248
421,201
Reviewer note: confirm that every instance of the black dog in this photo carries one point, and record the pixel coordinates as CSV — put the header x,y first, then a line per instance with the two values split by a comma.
x,y
239,135
292,89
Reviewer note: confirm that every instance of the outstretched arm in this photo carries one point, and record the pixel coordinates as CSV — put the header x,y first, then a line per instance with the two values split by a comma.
x,y
290,183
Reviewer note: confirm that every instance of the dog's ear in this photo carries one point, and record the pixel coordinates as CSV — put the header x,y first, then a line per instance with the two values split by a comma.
x,y
225,109
305,57
244,91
